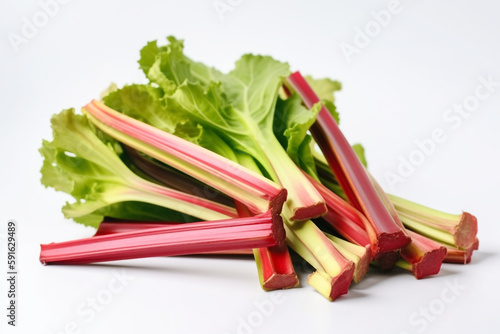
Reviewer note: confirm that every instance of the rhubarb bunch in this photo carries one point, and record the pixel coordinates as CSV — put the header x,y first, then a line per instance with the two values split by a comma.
x,y
252,161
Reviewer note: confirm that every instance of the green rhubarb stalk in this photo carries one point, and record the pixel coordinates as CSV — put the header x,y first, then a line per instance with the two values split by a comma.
x,y
424,255
359,255
196,101
78,162
335,271
255,191
449,230
459,230
233,179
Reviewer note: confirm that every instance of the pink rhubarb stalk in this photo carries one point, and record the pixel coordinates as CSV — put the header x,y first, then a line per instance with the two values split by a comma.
x,y
275,272
179,239
118,226
387,260
274,264
344,218
204,208
460,255
255,191
172,178
350,172
424,256
121,226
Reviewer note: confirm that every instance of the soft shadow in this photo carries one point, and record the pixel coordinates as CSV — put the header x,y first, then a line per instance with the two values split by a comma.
x,y
374,277
302,276
479,257
444,272
242,257
179,269
352,294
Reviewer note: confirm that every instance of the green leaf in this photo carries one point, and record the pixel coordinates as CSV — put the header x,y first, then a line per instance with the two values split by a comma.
x,y
136,211
234,111
168,67
325,89
306,158
291,122
360,152
144,103
85,163
237,107
252,87
79,163
148,56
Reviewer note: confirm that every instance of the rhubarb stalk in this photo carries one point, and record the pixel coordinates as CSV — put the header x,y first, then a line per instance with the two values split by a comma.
x,y
350,172
255,191
456,230
359,255
173,178
274,264
78,162
344,218
334,272
179,239
460,255
120,226
423,255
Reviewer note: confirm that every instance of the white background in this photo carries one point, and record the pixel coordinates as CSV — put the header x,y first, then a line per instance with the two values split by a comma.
x,y
396,90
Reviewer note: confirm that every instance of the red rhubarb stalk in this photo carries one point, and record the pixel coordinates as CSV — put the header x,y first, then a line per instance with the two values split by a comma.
x,y
255,191
274,264
424,256
344,218
350,172
179,239
119,226
460,255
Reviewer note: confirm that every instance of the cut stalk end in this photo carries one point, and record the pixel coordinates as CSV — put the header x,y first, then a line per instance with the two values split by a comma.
x,y
310,212
275,268
466,230
391,241
332,287
460,255
424,255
